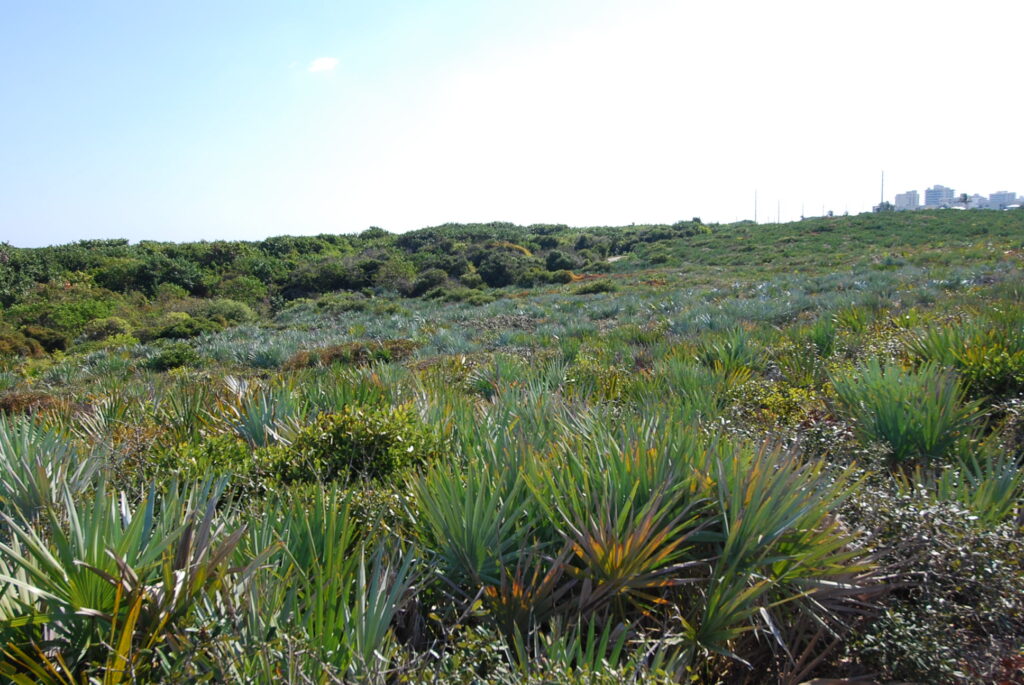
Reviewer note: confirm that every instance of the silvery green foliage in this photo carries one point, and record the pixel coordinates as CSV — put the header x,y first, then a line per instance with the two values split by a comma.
x,y
37,466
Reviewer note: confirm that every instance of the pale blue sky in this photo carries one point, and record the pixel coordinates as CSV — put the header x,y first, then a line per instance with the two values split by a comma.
x,y
203,120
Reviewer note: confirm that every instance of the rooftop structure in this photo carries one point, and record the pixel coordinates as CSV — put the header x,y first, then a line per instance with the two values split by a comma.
x,y
939,196
908,200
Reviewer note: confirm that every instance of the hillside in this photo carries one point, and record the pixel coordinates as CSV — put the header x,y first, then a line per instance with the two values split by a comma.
x,y
491,453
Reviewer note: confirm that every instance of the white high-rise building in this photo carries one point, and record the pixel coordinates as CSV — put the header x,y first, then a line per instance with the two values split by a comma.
x,y
1002,199
907,201
939,196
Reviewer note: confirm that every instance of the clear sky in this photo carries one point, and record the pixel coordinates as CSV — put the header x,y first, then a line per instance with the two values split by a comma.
x,y
209,119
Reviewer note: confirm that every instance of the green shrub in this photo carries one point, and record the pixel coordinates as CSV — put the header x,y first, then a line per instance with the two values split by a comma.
x,y
359,442
659,255
988,355
991,370
428,280
179,326
531,277
14,344
561,276
500,268
597,267
388,308
956,611
50,339
113,341
768,403
853,318
987,481
823,335
217,455
65,307
731,352
101,329
336,304
596,286
920,415
222,310
478,299
172,356
166,292
245,289
471,279
560,261
468,295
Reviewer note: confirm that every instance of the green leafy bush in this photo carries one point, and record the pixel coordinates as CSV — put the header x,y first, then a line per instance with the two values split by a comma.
x,y
51,340
991,370
217,455
920,415
122,581
222,310
560,276
823,335
428,280
37,467
459,294
178,326
500,268
245,289
168,292
65,306
956,611
987,481
172,356
359,442
596,286
531,277
560,261
731,352
767,403
101,329
471,279
14,344
988,354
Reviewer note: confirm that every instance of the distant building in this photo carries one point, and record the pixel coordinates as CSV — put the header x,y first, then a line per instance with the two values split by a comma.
x,y
1002,199
939,196
907,201
978,201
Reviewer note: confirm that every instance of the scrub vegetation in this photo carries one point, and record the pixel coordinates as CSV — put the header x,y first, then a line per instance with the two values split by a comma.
x,y
499,454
